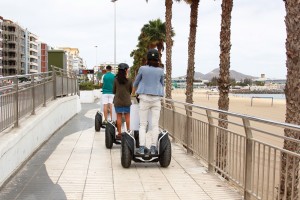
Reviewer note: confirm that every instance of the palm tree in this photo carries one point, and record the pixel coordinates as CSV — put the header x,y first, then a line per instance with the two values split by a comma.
x,y
155,34
224,81
289,180
191,49
169,44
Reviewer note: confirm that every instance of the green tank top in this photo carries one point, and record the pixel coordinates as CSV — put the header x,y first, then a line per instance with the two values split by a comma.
x,y
108,83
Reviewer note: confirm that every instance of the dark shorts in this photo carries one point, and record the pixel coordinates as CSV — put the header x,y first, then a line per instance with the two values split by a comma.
x,y
122,109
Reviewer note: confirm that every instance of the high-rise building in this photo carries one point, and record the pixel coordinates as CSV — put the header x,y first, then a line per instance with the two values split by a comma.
x,y
42,57
13,52
1,41
31,52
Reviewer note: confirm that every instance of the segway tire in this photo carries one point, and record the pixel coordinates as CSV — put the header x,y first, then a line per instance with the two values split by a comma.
x,y
108,138
126,155
98,122
165,155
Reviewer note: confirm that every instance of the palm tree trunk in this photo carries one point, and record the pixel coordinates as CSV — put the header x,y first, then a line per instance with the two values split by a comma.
x,y
289,176
191,51
224,81
168,4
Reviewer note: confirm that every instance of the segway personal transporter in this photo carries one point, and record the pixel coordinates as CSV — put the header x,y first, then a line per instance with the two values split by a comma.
x,y
99,119
130,144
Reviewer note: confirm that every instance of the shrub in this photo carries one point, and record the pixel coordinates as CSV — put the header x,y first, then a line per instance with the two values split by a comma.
x,y
86,86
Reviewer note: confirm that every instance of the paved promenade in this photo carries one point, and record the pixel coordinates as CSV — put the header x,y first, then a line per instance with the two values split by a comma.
x,y
74,164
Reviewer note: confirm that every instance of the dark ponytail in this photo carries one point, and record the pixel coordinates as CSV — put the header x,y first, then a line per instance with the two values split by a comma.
x,y
121,76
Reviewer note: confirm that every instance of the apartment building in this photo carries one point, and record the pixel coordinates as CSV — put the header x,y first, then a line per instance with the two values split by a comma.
x,y
13,50
42,57
1,41
74,61
31,53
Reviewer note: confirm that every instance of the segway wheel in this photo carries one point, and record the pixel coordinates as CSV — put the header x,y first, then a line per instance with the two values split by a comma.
x,y
108,138
165,155
98,121
126,155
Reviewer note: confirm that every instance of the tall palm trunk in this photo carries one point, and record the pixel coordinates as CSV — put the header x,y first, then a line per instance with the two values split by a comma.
x,y
168,4
224,81
191,51
289,176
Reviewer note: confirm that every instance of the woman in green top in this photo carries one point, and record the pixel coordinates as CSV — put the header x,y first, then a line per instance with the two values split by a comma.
x,y
122,101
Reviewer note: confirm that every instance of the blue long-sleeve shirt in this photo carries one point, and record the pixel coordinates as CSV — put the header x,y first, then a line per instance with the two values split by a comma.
x,y
150,80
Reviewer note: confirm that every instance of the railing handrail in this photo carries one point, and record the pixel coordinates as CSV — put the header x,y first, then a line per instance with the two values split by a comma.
x,y
252,118
253,156
19,97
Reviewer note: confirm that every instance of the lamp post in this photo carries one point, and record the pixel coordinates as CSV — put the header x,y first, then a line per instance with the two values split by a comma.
x,y
114,1
96,55
96,67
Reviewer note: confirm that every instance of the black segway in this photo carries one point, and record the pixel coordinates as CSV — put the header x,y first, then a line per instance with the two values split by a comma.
x,y
110,135
99,118
130,144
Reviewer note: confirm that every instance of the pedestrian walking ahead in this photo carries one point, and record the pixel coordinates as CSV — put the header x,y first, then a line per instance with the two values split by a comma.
x,y
107,84
149,85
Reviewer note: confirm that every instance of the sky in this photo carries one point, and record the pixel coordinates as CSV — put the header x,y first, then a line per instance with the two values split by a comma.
x,y
258,31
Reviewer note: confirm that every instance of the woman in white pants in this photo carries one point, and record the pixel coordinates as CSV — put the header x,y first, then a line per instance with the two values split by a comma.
x,y
149,85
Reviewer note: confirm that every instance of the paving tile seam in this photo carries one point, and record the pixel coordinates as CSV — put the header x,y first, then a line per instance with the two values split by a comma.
x,y
112,172
162,171
86,177
191,177
70,155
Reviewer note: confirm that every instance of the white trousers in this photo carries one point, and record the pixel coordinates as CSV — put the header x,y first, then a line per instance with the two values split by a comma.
x,y
145,107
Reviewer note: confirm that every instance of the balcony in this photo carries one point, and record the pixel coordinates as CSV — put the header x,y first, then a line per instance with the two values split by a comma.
x,y
33,64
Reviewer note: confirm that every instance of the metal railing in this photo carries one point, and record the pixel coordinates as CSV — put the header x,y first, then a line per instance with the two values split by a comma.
x,y
21,95
248,153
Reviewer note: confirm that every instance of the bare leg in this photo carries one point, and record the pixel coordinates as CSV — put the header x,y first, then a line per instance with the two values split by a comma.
x,y
105,111
127,119
119,122
110,111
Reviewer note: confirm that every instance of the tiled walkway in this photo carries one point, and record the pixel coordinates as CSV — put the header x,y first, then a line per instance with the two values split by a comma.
x,y
74,164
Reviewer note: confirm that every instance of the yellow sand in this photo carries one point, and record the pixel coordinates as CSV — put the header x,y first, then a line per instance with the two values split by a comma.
x,y
260,107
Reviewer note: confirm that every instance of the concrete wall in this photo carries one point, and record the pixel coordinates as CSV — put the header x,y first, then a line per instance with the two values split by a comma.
x,y
18,144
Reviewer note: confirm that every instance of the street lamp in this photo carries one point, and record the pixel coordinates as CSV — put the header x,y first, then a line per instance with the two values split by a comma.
x,y
96,56
114,1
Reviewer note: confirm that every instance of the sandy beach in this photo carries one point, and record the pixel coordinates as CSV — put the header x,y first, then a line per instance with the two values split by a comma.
x,y
260,107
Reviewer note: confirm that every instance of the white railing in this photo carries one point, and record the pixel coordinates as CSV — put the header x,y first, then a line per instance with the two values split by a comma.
x,y
249,153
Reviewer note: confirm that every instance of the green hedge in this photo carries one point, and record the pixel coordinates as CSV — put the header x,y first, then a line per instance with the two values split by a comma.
x,y
88,86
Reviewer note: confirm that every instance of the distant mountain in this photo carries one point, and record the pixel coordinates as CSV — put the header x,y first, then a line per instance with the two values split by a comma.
x,y
215,73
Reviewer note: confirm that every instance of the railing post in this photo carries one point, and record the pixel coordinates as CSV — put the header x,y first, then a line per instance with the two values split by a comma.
x,y
16,112
67,84
33,94
75,84
54,82
62,82
44,87
248,163
188,129
211,140
173,116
